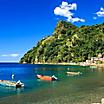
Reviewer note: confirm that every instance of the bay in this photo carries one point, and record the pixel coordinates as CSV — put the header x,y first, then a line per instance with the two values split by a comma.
x,y
82,89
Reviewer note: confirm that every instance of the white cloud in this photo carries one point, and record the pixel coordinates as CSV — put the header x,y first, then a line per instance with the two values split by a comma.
x,y
100,13
10,55
77,20
14,55
4,55
67,6
94,18
65,10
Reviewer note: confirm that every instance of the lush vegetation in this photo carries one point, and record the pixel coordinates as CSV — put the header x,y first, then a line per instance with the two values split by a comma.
x,y
68,44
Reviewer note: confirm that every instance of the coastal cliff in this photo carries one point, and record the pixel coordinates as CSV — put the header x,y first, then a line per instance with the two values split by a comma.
x,y
68,43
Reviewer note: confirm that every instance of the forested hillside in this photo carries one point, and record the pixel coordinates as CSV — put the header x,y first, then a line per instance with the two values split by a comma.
x,y
68,43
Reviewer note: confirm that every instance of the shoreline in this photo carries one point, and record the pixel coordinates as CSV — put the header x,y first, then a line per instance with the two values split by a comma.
x,y
90,64
100,65
52,63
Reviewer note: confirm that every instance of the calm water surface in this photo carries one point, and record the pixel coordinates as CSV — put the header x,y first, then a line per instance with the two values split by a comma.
x,y
82,89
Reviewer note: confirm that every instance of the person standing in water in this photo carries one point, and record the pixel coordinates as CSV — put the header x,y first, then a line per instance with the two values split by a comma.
x,y
12,76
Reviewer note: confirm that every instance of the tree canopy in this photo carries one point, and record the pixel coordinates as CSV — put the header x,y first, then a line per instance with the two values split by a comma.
x,y
68,44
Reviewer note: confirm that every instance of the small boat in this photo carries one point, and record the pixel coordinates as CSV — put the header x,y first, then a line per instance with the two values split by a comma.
x,y
46,78
8,83
93,67
73,73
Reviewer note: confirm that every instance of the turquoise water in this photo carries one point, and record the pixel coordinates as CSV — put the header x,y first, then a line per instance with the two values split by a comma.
x,y
87,87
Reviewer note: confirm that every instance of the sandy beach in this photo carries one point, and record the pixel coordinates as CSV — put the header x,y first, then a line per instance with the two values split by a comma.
x,y
100,65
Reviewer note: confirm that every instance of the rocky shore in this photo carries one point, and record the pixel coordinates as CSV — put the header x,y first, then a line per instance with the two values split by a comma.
x,y
101,102
100,65
81,64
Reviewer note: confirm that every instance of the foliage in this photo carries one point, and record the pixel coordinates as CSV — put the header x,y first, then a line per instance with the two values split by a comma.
x,y
68,44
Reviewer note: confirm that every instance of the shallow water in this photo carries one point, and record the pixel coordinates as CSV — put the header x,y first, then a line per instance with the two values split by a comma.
x,y
82,89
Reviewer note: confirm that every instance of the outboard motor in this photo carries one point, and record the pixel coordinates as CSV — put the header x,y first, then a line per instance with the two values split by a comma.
x,y
19,84
54,78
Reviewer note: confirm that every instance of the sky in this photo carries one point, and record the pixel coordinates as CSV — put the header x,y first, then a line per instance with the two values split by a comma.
x,y
24,22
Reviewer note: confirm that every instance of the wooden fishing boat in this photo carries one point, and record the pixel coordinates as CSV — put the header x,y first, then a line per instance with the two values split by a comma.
x,y
8,83
46,78
73,73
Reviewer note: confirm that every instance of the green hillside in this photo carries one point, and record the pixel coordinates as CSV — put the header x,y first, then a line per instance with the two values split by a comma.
x,y
68,44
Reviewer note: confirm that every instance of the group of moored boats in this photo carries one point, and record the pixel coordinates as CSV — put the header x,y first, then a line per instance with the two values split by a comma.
x,y
54,78
19,84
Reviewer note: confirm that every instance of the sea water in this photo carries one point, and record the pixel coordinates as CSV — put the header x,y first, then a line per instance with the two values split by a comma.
x,y
85,88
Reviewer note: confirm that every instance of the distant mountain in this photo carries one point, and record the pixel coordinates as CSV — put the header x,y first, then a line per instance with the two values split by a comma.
x,y
68,44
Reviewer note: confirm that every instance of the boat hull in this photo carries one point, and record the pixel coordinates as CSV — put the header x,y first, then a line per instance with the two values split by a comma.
x,y
73,73
8,83
45,78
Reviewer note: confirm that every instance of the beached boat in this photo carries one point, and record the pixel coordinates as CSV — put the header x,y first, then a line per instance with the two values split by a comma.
x,y
73,73
47,78
8,83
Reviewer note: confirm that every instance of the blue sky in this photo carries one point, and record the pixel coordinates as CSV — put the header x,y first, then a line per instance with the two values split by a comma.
x,y
24,22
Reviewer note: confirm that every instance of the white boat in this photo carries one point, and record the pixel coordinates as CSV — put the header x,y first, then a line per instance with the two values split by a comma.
x,y
73,73
8,83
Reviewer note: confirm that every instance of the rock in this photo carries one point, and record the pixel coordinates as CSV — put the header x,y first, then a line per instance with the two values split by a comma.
x,y
102,101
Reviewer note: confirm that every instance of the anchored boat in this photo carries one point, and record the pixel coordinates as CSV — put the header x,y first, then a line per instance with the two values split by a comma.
x,y
73,73
47,78
8,83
